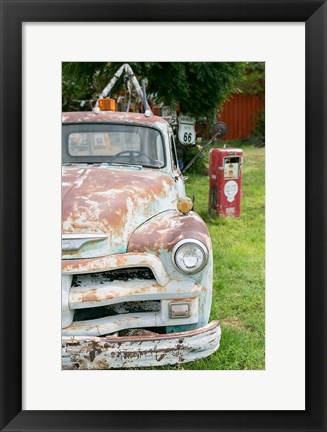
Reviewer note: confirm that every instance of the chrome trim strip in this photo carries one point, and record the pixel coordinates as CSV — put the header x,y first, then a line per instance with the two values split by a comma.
x,y
74,241
82,236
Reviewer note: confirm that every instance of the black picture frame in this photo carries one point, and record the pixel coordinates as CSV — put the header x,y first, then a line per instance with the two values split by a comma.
x,y
13,14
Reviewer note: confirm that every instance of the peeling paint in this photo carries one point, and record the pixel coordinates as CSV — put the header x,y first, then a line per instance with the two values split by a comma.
x,y
166,229
112,202
139,351
114,117
116,261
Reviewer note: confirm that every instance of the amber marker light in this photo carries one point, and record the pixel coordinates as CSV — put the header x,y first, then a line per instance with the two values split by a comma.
x,y
107,104
185,205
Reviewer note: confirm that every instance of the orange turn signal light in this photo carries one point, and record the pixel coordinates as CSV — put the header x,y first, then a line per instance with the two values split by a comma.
x,y
185,205
107,104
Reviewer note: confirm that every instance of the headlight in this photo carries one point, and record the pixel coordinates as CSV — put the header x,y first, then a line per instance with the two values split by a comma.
x,y
189,256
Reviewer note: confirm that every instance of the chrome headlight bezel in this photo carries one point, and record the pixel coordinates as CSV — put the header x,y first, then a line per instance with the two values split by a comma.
x,y
178,247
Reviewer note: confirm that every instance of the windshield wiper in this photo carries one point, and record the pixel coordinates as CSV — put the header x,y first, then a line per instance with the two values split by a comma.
x,y
139,167
122,164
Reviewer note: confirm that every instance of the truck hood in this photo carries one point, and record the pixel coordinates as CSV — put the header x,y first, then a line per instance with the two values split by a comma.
x,y
112,201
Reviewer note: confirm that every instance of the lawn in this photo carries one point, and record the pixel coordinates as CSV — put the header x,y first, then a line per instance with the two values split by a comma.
x,y
239,270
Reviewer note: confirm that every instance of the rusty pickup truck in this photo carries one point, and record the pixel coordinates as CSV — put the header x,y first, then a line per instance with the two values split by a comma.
x,y
137,263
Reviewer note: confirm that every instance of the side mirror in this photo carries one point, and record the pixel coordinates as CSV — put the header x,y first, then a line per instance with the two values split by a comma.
x,y
219,130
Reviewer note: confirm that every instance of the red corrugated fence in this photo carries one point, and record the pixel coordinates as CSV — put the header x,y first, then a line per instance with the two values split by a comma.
x,y
240,113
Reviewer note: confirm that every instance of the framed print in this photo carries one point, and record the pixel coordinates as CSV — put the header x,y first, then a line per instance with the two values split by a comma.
x,y
289,392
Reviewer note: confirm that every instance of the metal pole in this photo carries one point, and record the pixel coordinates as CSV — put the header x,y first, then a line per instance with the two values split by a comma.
x,y
145,102
221,132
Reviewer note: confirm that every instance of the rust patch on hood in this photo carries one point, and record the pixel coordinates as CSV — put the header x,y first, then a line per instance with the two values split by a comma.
x,y
113,201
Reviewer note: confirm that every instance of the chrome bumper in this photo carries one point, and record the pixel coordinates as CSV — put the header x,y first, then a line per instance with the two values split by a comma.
x,y
83,352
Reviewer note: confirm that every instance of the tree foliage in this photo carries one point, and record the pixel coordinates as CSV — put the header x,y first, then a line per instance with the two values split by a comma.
x,y
199,87
253,79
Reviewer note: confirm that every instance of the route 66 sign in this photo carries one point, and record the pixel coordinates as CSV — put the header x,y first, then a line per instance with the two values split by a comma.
x,y
186,129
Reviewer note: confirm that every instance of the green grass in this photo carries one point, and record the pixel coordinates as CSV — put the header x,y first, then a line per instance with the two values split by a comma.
x,y
239,272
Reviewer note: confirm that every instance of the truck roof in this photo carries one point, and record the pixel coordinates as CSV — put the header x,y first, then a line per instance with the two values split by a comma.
x,y
111,116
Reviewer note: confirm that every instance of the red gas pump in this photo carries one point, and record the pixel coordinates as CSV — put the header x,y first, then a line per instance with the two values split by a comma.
x,y
225,173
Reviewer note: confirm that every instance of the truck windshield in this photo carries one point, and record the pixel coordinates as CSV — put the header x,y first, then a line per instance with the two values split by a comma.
x,y
113,143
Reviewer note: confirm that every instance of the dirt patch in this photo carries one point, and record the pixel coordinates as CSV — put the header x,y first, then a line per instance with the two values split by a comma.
x,y
233,323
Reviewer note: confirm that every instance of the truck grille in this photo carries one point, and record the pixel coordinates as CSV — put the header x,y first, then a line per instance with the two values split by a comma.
x,y
124,275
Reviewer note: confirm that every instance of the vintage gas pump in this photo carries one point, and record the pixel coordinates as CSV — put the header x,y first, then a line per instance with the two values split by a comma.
x,y
225,173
